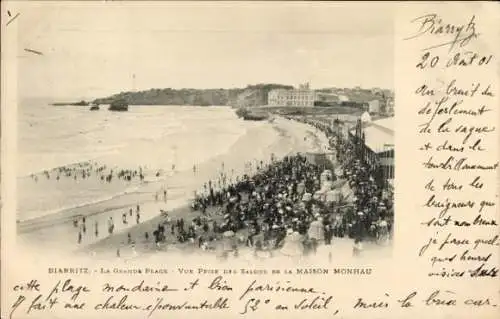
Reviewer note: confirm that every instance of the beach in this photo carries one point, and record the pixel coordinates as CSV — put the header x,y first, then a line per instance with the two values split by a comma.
x,y
254,142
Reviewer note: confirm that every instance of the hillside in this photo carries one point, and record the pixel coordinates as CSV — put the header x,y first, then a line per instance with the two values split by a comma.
x,y
200,97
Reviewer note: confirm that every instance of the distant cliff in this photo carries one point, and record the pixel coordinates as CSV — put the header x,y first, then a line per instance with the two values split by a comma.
x,y
200,97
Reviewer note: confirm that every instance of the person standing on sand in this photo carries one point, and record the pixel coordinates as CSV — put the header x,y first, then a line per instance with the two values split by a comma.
x,y
138,217
96,228
165,195
156,196
79,237
111,225
358,247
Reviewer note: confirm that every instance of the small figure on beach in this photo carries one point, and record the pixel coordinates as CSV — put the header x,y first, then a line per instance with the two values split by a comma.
x,y
146,236
124,218
111,225
138,209
129,238
130,212
79,237
165,195
96,228
138,217
194,169
75,222
156,196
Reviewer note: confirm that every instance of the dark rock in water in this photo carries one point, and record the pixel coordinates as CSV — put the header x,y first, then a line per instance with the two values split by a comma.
x,y
81,103
254,117
249,115
118,105
94,108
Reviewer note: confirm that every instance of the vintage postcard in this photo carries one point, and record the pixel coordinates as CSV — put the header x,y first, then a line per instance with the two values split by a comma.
x,y
238,159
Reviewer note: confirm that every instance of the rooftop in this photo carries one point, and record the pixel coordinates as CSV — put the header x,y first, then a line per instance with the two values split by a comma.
x,y
379,134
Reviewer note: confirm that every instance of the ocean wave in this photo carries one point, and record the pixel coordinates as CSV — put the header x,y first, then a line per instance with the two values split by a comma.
x,y
131,190
25,170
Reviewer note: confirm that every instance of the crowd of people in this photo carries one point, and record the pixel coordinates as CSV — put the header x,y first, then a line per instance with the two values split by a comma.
x,y
282,208
290,206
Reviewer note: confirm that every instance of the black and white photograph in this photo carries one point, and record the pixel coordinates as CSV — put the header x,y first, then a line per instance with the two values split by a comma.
x,y
222,131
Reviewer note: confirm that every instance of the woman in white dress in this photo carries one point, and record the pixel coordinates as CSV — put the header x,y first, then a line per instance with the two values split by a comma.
x,y
292,246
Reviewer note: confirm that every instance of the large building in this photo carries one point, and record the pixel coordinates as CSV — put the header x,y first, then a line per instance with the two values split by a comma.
x,y
301,97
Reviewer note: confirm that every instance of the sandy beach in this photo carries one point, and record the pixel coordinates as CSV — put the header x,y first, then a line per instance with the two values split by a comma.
x,y
58,233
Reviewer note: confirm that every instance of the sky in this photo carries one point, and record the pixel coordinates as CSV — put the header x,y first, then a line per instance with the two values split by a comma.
x,y
93,50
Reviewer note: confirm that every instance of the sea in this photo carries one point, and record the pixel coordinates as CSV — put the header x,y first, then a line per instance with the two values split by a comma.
x,y
151,138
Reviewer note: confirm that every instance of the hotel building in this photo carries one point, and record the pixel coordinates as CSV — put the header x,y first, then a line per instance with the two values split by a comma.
x,y
301,97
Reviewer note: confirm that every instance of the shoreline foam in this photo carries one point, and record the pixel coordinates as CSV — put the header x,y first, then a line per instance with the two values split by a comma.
x,y
289,138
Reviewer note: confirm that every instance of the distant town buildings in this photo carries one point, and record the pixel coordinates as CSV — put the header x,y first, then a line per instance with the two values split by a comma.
x,y
376,101
302,97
